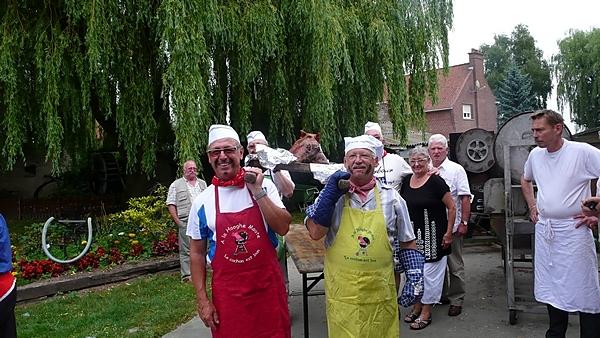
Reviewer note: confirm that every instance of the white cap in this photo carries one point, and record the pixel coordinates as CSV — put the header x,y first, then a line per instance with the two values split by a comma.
x,y
221,131
256,135
372,126
364,142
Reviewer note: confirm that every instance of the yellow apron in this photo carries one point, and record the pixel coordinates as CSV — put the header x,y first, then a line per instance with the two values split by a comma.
x,y
359,277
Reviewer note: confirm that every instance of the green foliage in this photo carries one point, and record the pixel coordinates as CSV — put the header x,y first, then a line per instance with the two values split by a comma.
x,y
514,94
153,75
146,214
577,68
150,306
28,244
521,50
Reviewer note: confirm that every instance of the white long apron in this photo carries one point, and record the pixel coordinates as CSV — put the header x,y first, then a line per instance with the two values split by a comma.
x,y
566,266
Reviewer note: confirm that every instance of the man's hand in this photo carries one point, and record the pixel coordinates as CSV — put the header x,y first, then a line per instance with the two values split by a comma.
x,y
591,206
208,313
255,187
412,263
533,214
447,240
589,221
462,229
322,211
433,171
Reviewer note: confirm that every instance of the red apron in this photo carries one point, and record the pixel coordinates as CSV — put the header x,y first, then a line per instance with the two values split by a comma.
x,y
247,285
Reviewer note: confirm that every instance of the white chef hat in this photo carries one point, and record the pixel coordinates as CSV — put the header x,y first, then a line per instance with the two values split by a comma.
x,y
373,126
364,142
221,131
256,135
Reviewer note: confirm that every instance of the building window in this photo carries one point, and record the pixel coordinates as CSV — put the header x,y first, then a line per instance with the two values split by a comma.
x,y
467,112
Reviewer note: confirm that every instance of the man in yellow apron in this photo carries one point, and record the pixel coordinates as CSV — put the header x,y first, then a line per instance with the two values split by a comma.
x,y
362,227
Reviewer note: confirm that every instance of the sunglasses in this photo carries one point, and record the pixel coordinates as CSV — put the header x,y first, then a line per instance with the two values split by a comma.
x,y
216,152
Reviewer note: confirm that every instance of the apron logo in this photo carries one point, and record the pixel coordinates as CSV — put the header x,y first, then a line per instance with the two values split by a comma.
x,y
363,237
363,243
241,235
240,240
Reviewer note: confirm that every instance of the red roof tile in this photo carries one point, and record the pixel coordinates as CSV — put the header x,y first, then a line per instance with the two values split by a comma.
x,y
449,87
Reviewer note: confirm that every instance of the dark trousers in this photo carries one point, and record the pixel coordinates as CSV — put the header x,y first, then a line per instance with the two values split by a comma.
x,y
559,319
8,325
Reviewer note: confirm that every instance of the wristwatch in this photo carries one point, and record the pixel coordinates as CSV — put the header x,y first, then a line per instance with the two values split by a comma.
x,y
465,223
260,195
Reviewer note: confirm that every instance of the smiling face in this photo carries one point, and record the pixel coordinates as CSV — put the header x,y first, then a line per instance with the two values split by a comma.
x,y
438,153
361,164
225,156
419,164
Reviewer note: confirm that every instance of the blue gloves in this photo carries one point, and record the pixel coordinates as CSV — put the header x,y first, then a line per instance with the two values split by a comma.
x,y
322,210
412,262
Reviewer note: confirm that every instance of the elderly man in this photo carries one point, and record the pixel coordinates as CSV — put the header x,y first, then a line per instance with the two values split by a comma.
x,y
392,167
179,199
456,178
566,266
240,221
362,228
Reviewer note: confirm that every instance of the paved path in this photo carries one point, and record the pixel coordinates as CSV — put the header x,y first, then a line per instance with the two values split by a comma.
x,y
484,314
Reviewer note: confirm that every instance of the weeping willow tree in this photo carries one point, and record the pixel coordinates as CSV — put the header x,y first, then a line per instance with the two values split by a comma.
x,y
153,75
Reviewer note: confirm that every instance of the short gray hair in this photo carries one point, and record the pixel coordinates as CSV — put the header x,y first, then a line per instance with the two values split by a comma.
x,y
418,150
438,138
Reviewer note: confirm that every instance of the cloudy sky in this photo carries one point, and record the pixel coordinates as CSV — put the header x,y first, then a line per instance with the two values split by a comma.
x,y
476,22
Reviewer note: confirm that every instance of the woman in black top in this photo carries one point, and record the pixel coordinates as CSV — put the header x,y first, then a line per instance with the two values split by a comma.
x,y
432,213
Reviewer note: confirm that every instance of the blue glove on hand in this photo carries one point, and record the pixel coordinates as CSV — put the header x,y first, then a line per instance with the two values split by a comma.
x,y
412,262
322,210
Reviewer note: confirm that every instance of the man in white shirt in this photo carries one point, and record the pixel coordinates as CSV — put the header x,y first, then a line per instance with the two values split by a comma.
x,y
566,266
456,178
240,220
179,199
391,167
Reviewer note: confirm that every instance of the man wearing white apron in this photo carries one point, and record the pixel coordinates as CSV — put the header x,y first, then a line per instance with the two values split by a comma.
x,y
566,266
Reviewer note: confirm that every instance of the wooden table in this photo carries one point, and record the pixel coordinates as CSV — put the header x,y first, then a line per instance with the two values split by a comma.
x,y
308,256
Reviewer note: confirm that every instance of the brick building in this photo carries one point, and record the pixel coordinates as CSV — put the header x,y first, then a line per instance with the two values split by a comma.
x,y
464,99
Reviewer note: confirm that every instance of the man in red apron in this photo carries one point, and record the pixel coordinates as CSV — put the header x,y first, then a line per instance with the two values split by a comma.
x,y
363,227
238,222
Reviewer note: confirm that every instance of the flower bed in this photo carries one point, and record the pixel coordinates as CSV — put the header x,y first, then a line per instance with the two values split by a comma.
x,y
141,231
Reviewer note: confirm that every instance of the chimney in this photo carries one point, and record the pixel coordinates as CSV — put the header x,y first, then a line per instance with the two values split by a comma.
x,y
476,66
476,61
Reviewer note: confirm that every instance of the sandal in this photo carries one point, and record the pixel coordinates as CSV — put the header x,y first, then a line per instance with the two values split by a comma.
x,y
420,324
409,318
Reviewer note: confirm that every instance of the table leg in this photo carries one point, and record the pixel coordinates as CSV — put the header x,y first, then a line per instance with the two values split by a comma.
x,y
305,303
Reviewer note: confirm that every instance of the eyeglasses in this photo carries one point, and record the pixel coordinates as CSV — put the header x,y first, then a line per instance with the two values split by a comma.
x,y
191,168
420,161
216,152
362,157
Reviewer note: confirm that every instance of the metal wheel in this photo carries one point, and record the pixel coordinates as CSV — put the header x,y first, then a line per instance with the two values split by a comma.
x,y
477,150
512,317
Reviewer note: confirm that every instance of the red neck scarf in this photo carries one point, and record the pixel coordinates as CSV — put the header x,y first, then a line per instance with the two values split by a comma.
x,y
237,181
363,190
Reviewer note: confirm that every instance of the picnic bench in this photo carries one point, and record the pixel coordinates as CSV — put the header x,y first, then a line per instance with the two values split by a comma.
x,y
308,256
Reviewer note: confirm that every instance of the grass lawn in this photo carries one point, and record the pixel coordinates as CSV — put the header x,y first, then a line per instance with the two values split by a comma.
x,y
149,306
